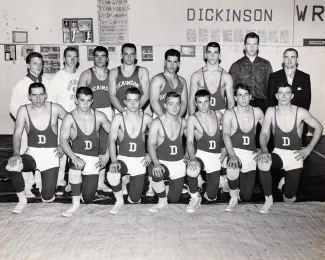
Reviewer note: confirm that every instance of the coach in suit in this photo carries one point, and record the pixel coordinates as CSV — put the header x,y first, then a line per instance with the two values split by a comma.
x,y
300,81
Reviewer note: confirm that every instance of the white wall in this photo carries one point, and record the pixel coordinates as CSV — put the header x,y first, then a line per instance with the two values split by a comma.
x,y
42,19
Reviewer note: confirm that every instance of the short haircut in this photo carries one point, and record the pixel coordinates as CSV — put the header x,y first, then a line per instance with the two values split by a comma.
x,y
252,35
172,94
284,85
213,44
100,49
132,90
242,86
36,85
173,53
32,55
291,49
70,48
85,91
128,45
202,93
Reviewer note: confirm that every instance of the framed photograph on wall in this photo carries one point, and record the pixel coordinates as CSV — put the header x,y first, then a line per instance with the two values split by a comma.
x,y
27,49
19,37
77,30
188,50
9,52
90,52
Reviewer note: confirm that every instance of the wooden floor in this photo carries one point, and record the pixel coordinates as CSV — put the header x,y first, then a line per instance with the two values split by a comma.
x,y
312,185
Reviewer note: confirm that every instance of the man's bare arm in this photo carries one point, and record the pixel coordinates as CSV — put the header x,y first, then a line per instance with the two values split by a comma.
x,y
19,128
226,131
190,135
152,141
314,123
145,82
265,131
194,86
184,97
116,122
60,110
229,91
84,79
65,136
112,91
154,95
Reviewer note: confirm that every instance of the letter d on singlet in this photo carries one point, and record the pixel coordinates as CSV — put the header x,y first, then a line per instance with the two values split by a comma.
x,y
212,145
41,139
133,147
246,140
88,145
173,149
212,101
286,141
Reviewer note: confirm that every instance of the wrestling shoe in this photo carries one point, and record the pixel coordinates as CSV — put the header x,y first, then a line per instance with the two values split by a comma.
x,y
194,203
73,210
161,205
21,205
29,194
232,204
281,183
117,207
267,205
150,192
185,189
67,188
59,191
223,184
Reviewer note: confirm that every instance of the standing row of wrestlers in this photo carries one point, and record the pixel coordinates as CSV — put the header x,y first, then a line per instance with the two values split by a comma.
x,y
85,130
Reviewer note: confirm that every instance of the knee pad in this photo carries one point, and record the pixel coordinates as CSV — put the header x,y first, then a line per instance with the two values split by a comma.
x,y
48,200
160,178
16,168
264,166
232,174
292,200
193,173
133,202
113,178
157,179
74,176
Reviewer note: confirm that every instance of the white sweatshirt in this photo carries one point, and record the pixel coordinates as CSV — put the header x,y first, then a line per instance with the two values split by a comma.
x,y
62,89
19,94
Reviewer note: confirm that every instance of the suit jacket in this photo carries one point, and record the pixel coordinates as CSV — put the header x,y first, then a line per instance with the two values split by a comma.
x,y
300,84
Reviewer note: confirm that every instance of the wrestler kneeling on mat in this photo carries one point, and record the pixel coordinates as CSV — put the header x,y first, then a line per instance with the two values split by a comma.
x,y
81,126
204,127
287,125
239,130
43,151
166,150
129,129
